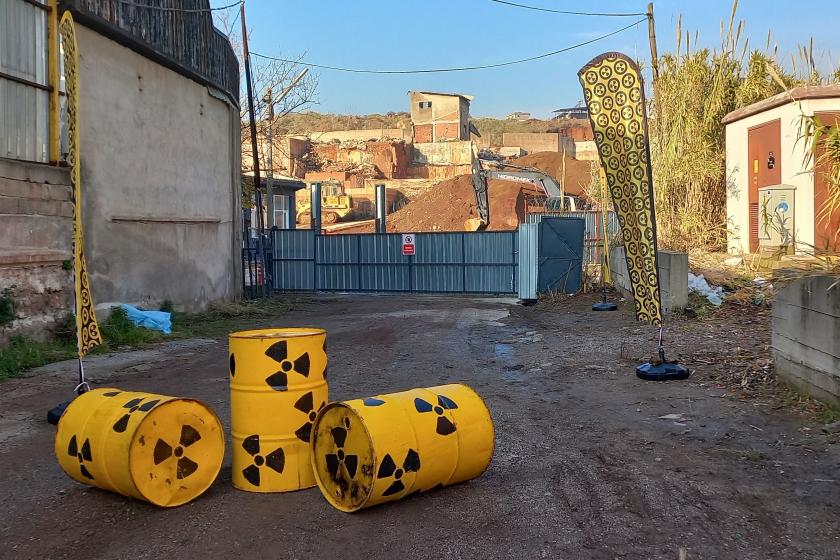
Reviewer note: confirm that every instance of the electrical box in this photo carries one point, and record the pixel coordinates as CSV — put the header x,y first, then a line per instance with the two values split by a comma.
x,y
776,224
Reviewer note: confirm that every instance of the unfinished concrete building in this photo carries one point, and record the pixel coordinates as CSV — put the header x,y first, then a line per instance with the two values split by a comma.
x,y
438,117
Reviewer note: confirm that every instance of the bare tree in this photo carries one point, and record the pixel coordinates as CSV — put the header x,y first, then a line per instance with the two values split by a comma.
x,y
276,76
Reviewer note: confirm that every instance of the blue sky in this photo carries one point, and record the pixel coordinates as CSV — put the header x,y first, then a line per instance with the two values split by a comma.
x,y
397,34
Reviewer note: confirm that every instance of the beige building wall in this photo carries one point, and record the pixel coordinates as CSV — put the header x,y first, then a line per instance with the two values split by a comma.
x,y
160,167
792,158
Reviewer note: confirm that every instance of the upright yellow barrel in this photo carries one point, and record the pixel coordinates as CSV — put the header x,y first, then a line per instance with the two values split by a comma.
x,y
374,450
164,450
277,386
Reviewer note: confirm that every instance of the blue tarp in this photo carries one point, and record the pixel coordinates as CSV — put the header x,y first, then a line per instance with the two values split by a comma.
x,y
155,320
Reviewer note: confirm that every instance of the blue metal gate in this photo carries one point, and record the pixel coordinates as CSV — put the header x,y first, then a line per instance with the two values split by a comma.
x,y
455,262
560,254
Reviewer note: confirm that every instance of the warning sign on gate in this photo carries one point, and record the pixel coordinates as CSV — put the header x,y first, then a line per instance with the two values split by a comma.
x,y
408,244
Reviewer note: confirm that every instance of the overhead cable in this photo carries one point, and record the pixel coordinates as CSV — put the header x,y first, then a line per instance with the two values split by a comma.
x,y
455,69
602,14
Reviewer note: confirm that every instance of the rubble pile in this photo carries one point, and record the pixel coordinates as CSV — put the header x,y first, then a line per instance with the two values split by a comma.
x,y
578,172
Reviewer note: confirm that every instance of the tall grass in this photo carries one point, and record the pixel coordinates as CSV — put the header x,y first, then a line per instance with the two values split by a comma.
x,y
695,90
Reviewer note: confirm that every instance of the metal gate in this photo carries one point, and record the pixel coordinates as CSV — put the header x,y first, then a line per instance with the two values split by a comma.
x,y
561,255
456,262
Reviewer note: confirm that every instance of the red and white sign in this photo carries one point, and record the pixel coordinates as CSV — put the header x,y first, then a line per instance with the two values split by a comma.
x,y
408,243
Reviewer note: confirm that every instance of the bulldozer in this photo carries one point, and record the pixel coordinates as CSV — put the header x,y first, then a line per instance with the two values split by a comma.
x,y
554,199
336,206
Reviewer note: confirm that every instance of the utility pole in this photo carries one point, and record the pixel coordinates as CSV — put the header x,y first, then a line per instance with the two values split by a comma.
x,y
654,57
269,180
254,155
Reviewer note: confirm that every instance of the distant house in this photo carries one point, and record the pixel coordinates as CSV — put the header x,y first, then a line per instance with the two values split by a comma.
x,y
439,117
571,113
518,116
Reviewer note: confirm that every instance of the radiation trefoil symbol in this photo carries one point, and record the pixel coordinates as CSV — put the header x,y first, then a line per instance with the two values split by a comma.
x,y
276,460
388,469
444,425
279,352
83,454
306,405
133,406
164,451
339,458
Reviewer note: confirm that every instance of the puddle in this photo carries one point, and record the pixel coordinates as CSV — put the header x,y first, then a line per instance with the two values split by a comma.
x,y
514,375
504,351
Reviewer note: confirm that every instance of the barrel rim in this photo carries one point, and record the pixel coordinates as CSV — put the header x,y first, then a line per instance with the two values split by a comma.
x,y
212,479
327,496
492,426
277,332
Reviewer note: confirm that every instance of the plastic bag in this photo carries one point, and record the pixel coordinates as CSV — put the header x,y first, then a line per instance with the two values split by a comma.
x,y
155,320
698,284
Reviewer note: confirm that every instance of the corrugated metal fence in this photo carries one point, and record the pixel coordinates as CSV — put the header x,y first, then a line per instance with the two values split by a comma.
x,y
593,241
24,80
468,262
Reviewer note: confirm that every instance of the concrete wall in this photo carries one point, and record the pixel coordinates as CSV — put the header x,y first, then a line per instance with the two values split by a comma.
x,y
673,277
363,135
586,150
160,179
442,153
792,158
806,337
35,241
533,142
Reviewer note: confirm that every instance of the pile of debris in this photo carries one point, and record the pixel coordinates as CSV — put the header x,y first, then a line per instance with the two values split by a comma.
x,y
447,205
576,177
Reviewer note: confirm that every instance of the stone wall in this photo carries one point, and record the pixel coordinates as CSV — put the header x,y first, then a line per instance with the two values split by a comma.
x,y
806,336
673,277
35,246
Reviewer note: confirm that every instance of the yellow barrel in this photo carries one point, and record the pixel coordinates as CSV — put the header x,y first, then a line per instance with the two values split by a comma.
x,y
164,450
277,386
379,449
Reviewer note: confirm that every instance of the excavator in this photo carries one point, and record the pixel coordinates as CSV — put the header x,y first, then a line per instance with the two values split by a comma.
x,y
555,200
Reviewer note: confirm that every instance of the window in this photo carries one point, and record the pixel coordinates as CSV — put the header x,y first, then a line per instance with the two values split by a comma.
x,y
280,219
425,104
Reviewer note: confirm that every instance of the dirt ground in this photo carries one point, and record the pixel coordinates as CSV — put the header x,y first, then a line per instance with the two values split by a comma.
x,y
590,461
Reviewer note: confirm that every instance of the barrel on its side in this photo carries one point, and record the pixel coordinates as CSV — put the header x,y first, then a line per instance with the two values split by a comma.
x,y
164,450
378,449
277,386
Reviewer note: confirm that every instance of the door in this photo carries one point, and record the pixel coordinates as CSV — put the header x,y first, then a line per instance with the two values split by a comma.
x,y
764,148
826,228
560,257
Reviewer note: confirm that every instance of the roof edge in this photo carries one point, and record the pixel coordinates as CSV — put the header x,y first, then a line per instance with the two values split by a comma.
x,y
800,93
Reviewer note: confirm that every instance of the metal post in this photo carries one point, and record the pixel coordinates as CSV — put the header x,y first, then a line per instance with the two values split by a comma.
x,y
269,180
381,209
315,207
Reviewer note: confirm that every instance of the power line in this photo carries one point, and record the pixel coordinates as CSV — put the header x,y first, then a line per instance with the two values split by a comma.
x,y
603,14
456,69
184,10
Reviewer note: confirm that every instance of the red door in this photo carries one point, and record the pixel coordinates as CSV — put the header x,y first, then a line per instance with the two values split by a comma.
x,y
826,228
764,147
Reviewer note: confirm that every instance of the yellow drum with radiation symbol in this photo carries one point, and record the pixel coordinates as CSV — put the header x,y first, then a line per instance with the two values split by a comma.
x,y
277,386
374,450
164,450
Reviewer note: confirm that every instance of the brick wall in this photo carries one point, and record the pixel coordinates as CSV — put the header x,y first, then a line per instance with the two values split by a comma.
x,y
422,133
35,243
447,131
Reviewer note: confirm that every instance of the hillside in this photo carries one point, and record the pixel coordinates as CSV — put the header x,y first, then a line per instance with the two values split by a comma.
x,y
491,129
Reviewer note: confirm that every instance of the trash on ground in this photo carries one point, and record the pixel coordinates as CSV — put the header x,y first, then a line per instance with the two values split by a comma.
x,y
698,284
155,320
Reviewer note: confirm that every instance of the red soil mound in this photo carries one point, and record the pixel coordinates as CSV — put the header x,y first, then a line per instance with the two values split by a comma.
x,y
577,172
447,205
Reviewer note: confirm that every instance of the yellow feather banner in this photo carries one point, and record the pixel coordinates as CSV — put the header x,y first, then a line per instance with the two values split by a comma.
x,y
87,328
615,96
